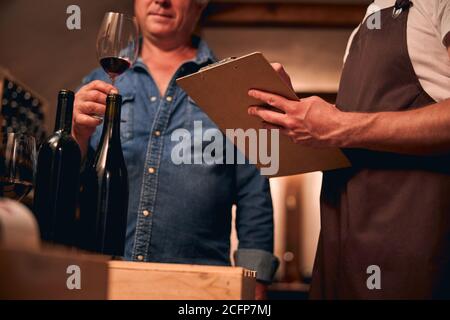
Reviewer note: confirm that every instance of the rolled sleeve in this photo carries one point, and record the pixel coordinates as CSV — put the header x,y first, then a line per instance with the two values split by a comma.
x,y
264,263
254,223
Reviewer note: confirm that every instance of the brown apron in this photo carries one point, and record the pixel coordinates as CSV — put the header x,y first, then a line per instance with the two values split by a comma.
x,y
388,210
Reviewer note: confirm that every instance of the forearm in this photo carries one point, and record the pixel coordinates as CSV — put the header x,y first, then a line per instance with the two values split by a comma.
x,y
423,131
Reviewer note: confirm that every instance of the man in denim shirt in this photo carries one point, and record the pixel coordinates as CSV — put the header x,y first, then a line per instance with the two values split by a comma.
x,y
177,213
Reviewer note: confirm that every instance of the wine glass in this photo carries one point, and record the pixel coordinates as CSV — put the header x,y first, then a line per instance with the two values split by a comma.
x,y
17,165
117,43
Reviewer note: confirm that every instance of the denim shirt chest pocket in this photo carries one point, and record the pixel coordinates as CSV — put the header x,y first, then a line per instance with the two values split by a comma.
x,y
126,117
195,113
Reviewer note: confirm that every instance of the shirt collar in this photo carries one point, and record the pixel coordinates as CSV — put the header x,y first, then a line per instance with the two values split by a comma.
x,y
204,55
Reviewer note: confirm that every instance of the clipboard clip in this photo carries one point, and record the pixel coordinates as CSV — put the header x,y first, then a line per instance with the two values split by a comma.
x,y
218,63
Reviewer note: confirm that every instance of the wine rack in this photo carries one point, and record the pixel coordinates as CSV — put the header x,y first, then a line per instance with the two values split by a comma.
x,y
21,109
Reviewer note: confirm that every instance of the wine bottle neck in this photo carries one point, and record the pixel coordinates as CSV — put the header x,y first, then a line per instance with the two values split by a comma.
x,y
111,126
65,111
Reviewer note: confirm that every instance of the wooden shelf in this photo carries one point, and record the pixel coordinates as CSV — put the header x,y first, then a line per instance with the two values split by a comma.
x,y
278,14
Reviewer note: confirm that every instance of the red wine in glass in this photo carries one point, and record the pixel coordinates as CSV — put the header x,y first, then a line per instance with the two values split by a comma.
x,y
114,66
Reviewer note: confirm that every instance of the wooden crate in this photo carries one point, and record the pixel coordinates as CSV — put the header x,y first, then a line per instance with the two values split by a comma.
x,y
42,274
155,281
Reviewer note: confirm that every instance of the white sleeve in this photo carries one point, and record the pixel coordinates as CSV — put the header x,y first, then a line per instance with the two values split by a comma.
x,y
443,15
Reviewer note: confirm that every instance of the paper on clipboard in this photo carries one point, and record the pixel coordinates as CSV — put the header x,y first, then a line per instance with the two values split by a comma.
x,y
221,90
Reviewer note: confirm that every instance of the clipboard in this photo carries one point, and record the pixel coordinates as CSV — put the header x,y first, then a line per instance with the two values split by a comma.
x,y
221,91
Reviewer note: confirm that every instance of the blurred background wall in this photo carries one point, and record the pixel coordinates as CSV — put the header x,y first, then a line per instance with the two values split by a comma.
x,y
308,37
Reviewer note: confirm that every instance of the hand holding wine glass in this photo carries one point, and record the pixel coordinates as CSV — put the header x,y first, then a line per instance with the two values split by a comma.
x,y
117,50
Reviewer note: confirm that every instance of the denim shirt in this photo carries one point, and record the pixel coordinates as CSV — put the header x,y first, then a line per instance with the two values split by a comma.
x,y
182,213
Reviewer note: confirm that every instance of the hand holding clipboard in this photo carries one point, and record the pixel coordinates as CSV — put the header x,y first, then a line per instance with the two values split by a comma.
x,y
221,90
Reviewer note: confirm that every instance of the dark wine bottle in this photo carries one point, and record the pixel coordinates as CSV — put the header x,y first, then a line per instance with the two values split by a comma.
x,y
104,204
57,178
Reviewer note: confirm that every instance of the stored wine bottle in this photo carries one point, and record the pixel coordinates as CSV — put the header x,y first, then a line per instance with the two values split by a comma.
x,y
105,189
57,178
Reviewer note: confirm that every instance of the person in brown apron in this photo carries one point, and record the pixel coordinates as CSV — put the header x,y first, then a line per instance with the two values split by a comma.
x,y
385,222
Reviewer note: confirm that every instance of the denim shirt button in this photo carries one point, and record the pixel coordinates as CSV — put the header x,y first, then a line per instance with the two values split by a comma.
x,y
140,258
169,99
146,213
153,99
157,133
151,170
